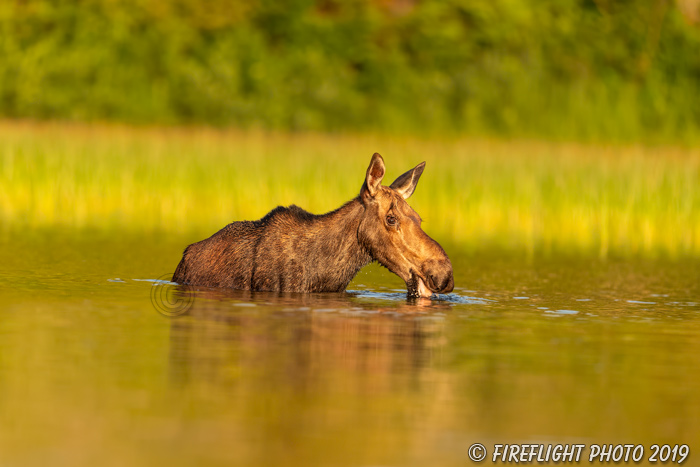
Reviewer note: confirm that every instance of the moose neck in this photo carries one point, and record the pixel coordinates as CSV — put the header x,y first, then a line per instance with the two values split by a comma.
x,y
335,246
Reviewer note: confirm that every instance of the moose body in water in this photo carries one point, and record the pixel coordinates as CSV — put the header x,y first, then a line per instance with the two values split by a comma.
x,y
291,250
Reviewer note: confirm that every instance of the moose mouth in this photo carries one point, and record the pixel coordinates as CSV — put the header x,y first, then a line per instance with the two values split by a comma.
x,y
417,287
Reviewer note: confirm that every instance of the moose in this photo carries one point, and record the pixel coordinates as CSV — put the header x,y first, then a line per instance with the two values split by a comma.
x,y
292,250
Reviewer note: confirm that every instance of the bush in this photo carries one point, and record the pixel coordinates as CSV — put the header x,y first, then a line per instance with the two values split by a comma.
x,y
553,68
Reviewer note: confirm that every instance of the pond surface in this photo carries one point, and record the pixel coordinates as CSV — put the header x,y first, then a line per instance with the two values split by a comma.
x,y
551,350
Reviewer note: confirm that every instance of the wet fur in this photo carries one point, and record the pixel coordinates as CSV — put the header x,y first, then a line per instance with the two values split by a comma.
x,y
288,250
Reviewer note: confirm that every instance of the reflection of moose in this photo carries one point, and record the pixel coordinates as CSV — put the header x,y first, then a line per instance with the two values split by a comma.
x,y
218,340
278,385
295,251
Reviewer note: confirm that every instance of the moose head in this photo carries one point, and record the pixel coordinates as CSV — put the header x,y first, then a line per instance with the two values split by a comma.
x,y
391,230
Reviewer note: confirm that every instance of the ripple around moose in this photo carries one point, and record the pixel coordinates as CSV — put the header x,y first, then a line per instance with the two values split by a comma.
x,y
174,300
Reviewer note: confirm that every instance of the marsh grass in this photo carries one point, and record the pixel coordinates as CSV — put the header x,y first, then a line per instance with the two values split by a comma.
x,y
521,196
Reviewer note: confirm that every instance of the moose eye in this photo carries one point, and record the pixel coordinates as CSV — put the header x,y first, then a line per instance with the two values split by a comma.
x,y
391,220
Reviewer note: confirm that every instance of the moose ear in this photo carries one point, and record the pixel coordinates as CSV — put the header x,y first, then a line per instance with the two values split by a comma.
x,y
405,185
373,179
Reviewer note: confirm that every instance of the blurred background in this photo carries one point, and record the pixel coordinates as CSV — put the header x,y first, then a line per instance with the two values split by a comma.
x,y
548,126
582,69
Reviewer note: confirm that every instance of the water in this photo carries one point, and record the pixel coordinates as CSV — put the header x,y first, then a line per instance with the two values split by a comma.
x,y
549,350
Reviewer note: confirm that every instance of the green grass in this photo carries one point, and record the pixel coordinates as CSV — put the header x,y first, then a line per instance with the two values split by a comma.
x,y
521,196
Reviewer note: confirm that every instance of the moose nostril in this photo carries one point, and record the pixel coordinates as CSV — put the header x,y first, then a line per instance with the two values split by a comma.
x,y
438,276
434,281
448,285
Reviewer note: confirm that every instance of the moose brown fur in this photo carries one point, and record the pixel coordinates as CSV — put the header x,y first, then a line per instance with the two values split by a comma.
x,y
291,250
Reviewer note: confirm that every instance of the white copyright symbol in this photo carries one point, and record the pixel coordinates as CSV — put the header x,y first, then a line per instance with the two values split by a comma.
x,y
477,452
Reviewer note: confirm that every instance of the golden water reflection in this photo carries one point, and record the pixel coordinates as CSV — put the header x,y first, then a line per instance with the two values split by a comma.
x,y
558,351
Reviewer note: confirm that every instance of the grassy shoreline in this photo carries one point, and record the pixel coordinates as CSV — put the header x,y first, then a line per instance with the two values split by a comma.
x,y
528,196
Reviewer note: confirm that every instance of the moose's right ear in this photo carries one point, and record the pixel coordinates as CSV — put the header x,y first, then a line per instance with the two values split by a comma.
x,y
373,179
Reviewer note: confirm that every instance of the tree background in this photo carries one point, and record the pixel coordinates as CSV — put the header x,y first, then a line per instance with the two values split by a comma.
x,y
573,69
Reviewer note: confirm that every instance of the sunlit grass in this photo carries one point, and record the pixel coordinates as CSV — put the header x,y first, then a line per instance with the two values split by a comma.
x,y
531,197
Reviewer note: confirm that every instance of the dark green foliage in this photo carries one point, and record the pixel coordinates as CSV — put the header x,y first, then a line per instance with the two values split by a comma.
x,y
557,68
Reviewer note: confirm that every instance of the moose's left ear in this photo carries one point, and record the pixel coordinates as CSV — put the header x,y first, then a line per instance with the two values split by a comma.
x,y
405,185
